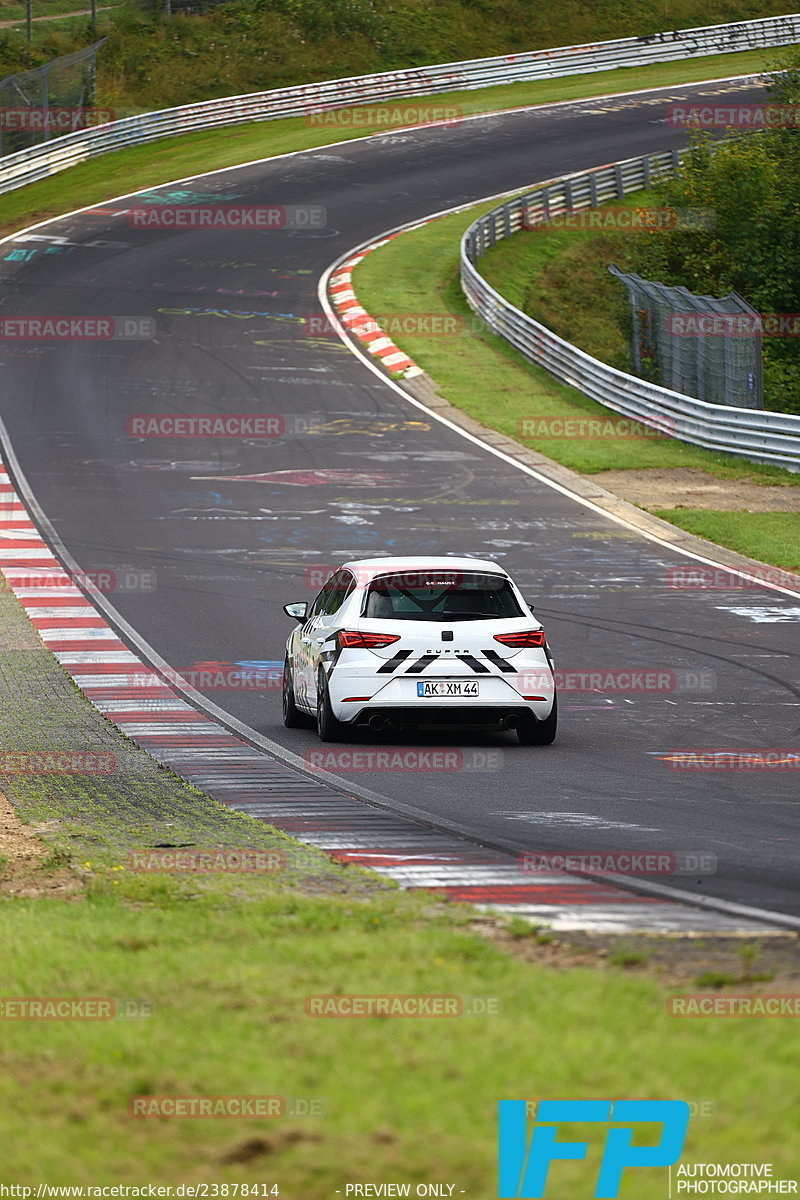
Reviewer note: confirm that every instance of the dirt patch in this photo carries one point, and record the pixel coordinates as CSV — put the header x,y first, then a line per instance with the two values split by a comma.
x,y
760,963
689,487
27,868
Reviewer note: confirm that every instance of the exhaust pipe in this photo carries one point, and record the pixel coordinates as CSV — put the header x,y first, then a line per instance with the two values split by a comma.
x,y
376,723
510,722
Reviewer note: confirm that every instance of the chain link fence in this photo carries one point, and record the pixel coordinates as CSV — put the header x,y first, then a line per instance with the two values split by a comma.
x,y
36,105
696,345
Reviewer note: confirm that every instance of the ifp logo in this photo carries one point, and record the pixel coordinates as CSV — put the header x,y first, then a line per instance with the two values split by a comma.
x,y
524,1166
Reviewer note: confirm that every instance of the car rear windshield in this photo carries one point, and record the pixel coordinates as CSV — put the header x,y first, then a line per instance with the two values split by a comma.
x,y
440,596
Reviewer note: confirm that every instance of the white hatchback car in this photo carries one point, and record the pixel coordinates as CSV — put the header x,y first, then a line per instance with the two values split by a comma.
x,y
399,642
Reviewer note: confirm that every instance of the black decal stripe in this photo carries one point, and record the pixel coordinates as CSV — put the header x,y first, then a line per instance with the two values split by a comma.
x,y
499,661
477,667
393,663
422,663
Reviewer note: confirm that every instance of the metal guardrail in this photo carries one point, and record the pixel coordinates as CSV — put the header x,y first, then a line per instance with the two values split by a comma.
x,y
26,166
761,436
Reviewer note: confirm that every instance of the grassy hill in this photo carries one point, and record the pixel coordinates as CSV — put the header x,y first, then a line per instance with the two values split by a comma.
x,y
249,45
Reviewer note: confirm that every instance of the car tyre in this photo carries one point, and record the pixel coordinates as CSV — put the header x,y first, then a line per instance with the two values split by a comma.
x,y
329,728
292,716
539,733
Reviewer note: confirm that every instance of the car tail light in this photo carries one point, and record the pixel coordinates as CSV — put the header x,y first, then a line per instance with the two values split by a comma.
x,y
351,639
527,637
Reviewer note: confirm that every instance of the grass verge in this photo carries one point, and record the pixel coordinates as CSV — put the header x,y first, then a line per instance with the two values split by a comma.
x,y
179,157
559,277
773,537
225,968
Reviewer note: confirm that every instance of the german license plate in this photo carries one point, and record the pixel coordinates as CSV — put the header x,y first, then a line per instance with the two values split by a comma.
x,y
446,688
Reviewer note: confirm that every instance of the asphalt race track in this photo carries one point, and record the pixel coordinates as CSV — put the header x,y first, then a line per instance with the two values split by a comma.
x,y
226,553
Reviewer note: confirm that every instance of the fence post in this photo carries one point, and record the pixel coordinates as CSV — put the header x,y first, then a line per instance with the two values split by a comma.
x,y
45,93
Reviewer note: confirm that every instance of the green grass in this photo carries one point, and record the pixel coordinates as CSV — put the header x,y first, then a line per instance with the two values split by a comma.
x,y
44,31
180,157
772,537
560,277
248,45
226,972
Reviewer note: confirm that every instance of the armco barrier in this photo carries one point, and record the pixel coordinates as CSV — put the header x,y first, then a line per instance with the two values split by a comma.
x,y
760,436
56,155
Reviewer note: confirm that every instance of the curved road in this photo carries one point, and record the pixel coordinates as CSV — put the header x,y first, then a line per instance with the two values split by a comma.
x,y
227,553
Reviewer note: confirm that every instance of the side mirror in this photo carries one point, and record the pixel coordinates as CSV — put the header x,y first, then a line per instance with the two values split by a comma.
x,y
530,605
298,610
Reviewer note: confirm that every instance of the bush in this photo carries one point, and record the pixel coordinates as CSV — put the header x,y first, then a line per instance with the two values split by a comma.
x,y
751,182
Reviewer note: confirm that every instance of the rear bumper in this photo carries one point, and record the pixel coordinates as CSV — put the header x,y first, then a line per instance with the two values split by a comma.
x,y
489,716
357,694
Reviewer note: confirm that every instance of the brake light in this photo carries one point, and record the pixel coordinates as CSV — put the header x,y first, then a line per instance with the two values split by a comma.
x,y
350,639
526,637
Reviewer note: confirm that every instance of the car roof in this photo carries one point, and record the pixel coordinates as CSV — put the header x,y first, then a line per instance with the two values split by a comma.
x,y
368,568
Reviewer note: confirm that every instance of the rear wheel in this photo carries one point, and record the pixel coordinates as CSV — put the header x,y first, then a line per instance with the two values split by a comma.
x,y
329,728
292,717
539,733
